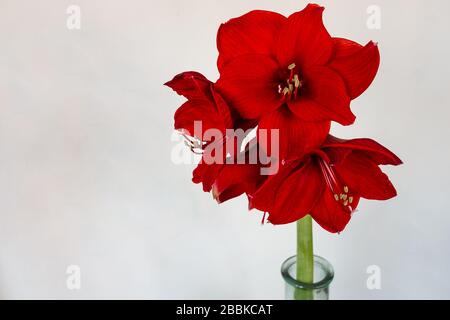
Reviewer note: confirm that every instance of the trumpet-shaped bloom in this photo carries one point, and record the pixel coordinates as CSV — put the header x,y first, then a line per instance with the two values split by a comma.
x,y
204,110
267,60
327,183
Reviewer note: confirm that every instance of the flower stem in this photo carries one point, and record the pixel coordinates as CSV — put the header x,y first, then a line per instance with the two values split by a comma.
x,y
305,258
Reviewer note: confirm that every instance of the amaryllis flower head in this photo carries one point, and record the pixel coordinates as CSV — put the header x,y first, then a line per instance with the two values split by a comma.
x,y
267,60
327,183
205,106
274,69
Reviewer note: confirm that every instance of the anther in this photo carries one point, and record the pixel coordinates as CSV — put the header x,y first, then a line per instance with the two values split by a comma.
x,y
296,81
293,83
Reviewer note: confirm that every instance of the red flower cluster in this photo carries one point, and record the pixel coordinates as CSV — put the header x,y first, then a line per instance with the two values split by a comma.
x,y
286,74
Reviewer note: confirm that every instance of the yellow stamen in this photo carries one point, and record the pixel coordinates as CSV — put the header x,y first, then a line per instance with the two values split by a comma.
x,y
291,87
296,81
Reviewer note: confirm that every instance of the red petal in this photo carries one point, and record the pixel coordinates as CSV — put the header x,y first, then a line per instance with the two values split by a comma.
x,y
344,48
337,149
204,104
264,198
192,85
249,84
254,32
297,195
197,110
364,177
357,67
296,137
330,214
324,97
223,110
234,180
206,174
304,40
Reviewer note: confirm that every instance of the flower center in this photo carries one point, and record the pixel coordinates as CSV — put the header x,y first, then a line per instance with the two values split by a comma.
x,y
290,89
340,191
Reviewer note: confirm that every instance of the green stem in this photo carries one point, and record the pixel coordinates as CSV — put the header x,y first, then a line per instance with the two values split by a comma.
x,y
305,257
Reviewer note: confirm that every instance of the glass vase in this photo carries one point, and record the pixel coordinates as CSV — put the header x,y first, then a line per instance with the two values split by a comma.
x,y
318,290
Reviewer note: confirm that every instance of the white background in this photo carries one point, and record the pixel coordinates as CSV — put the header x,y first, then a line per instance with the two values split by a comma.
x,y
86,176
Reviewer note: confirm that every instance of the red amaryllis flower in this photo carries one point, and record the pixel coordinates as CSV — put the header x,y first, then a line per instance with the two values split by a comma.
x,y
327,183
275,68
266,59
206,106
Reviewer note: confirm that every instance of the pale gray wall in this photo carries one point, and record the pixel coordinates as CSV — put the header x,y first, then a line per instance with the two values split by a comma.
x,y
86,176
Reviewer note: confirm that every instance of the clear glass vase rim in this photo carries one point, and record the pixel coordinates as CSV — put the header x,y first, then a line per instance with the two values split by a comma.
x,y
323,283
